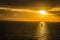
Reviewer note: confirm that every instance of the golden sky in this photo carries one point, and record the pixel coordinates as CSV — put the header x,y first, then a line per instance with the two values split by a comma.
x,y
28,15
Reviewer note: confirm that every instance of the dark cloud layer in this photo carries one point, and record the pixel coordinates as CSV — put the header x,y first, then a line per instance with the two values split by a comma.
x,y
27,2
30,3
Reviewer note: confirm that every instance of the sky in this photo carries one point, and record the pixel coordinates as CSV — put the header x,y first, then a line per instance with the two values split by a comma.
x,y
30,3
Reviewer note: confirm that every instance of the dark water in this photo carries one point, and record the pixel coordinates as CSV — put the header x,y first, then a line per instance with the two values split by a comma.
x,y
54,30
10,30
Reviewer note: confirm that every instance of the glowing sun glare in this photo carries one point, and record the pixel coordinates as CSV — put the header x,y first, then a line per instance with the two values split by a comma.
x,y
43,12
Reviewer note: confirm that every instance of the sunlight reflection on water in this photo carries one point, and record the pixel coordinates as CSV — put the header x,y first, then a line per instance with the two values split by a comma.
x,y
42,32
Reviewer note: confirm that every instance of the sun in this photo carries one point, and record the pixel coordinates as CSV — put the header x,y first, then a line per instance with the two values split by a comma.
x,y
43,12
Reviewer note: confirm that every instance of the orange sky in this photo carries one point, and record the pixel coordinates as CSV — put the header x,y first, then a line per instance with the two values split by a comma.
x,y
25,17
30,17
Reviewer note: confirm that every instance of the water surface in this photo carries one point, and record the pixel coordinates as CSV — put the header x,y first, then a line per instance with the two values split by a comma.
x,y
19,30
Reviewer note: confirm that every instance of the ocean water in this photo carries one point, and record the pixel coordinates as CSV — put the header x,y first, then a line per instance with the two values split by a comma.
x,y
19,30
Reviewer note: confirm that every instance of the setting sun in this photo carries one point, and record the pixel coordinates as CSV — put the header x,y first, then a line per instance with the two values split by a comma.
x,y
43,12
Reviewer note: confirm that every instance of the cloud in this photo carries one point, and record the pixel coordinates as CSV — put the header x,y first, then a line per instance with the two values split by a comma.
x,y
55,9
